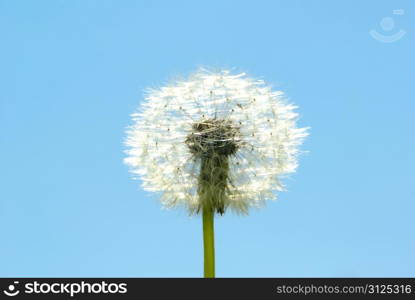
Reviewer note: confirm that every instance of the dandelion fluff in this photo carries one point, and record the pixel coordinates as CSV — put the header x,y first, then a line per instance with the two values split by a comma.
x,y
217,139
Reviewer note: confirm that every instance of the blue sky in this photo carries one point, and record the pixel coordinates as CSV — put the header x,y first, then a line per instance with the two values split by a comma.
x,y
73,71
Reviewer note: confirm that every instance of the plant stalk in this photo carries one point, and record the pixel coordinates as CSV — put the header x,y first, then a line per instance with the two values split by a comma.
x,y
209,242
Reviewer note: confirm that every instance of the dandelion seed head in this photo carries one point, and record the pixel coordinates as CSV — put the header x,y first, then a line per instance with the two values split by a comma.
x,y
218,139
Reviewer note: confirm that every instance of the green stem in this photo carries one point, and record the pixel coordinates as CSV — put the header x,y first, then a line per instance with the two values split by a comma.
x,y
209,242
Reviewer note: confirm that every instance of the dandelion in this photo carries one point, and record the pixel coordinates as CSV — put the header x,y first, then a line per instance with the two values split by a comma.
x,y
215,142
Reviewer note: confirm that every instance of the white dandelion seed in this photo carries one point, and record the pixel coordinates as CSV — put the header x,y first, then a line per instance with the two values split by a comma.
x,y
216,140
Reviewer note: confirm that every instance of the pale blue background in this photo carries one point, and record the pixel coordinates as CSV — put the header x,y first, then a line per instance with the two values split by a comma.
x,y
71,72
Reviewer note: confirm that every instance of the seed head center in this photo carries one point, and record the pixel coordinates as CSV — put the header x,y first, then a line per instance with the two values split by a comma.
x,y
212,137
